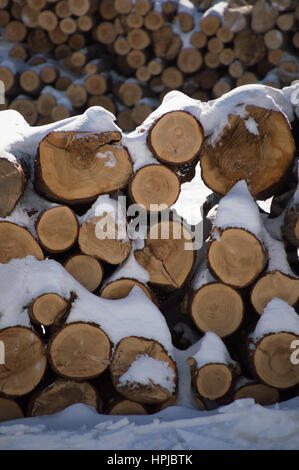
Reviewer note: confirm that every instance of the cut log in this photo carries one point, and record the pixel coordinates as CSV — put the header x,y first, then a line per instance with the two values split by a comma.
x,y
26,107
263,17
57,229
154,20
86,270
107,9
126,407
79,7
62,9
30,82
47,20
121,46
130,93
142,7
236,69
68,25
212,381
154,187
19,51
125,120
175,138
246,79
261,393
134,20
221,87
9,410
253,156
138,39
132,350
17,242
217,307
77,95
167,256
286,21
189,60
186,23
136,59
45,104
290,228
13,177
60,112
224,34
72,181
96,84
104,101
15,31
209,24
172,78
96,240
25,361
143,74
198,39
249,47
48,309
59,395
273,39
120,288
79,351
123,6
237,257
85,23
215,45
212,60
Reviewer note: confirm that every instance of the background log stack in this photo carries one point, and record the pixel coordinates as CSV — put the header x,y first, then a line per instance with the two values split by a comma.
x,y
79,337
62,58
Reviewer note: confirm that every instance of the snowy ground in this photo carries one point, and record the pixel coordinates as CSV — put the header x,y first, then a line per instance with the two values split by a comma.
x,y
242,425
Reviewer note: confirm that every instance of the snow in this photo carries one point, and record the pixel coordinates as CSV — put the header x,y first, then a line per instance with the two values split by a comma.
x,y
277,255
202,277
251,126
217,9
238,209
109,157
277,316
146,370
130,268
211,349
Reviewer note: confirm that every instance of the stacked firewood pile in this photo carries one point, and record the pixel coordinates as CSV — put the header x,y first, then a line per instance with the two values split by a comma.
x,y
72,327
61,57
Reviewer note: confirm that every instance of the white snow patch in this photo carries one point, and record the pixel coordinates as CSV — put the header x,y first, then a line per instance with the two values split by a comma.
x,y
252,126
111,160
211,350
146,370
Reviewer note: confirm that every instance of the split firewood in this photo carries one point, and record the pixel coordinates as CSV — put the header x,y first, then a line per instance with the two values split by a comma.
x,y
9,410
73,182
215,306
79,351
212,369
167,255
278,281
175,138
85,269
60,394
136,358
270,345
25,361
261,393
236,253
103,232
257,131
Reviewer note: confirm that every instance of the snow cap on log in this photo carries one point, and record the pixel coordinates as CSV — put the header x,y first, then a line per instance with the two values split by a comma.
x,y
212,350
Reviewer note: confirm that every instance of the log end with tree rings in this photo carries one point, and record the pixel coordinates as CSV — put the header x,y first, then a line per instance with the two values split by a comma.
x,y
155,187
168,254
13,176
217,307
274,284
9,410
261,393
104,239
176,138
75,167
132,349
236,257
126,407
48,309
80,351
272,360
25,361
212,380
85,269
59,395
262,154
120,288
57,229
17,242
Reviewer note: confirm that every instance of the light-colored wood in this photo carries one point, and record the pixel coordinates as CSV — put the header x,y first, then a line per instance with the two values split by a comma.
x,y
9,410
13,177
215,45
47,20
167,256
236,69
263,16
45,104
155,67
130,93
48,74
143,74
121,46
58,37
127,407
77,95
37,4
96,84
68,25
138,39
25,361
85,269
186,23
134,20
105,33
59,395
57,229
126,352
253,156
62,9
80,351
30,81
286,21
142,7
153,20
8,78
273,39
79,7
27,108
274,284
237,258
85,23
212,60
123,6
65,161
172,78
60,112
198,39
154,186
102,238
136,59
224,34
120,288
48,309
189,60
29,16
226,56
247,78
212,381
176,137
217,307
17,242
271,360
209,24
104,101
107,9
